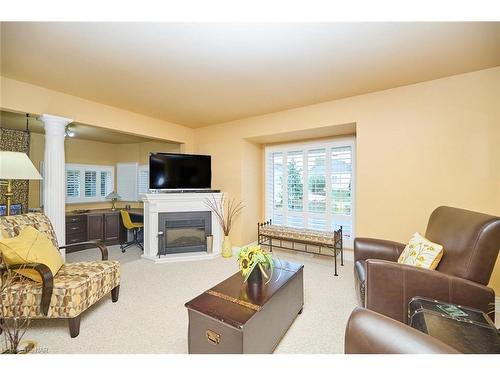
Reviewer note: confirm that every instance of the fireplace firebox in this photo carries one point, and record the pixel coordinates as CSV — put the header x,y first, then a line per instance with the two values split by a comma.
x,y
183,232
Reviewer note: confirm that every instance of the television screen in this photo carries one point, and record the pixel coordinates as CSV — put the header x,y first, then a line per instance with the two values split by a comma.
x,y
179,171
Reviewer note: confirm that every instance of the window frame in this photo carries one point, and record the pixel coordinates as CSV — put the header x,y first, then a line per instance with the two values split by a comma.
x,y
82,168
304,147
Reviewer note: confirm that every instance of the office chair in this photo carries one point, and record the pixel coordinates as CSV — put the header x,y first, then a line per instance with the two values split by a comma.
x,y
135,227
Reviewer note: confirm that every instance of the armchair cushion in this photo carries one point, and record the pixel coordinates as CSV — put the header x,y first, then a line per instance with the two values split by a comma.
x,y
30,246
76,287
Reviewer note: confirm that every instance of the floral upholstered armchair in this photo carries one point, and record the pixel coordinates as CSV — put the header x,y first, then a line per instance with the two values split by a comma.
x,y
68,293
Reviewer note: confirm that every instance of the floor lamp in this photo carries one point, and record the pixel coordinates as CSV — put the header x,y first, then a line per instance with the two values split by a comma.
x,y
15,166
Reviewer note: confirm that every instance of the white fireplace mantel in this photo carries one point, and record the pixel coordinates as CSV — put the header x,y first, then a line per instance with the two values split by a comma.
x,y
177,202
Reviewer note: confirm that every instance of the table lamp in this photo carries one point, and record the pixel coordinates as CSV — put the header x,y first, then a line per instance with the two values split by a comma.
x,y
114,197
15,166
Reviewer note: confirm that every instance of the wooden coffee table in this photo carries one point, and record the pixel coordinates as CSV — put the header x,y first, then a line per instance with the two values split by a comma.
x,y
233,317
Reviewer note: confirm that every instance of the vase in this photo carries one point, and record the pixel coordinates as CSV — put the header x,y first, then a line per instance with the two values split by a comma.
x,y
227,249
255,277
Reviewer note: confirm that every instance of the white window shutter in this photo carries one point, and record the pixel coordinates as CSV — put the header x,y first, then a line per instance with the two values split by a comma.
x,y
143,178
90,182
72,183
106,183
126,181
311,185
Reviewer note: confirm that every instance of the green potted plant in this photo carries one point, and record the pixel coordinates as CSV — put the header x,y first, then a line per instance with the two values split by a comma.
x,y
255,264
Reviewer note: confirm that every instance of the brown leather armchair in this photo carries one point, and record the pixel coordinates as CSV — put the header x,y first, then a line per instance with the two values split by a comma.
x,y
368,332
471,242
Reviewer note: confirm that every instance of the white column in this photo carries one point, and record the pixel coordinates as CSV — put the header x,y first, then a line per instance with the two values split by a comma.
x,y
54,180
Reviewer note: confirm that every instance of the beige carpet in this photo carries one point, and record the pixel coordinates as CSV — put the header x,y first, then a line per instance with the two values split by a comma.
x,y
150,316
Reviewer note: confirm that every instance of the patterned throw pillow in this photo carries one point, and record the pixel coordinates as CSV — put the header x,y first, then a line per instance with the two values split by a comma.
x,y
420,252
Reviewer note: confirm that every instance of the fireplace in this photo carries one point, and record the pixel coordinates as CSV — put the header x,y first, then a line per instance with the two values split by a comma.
x,y
183,232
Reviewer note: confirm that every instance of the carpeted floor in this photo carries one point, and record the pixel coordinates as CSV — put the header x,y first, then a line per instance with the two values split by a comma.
x,y
150,316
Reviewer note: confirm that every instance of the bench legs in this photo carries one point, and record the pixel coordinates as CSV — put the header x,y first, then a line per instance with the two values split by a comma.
x,y
335,260
74,326
115,293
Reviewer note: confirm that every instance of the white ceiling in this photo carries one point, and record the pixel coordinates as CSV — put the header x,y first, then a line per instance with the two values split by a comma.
x,y
201,74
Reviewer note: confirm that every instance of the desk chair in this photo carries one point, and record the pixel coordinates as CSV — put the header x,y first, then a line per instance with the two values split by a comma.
x,y
135,227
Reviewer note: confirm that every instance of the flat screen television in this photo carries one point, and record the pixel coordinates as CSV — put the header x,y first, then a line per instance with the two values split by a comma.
x,y
179,171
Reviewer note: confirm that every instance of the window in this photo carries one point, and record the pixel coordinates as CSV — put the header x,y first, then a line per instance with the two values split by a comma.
x,y
127,181
88,183
106,183
72,183
143,178
311,186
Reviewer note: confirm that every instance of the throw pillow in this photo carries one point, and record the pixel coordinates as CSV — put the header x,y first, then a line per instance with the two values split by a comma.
x,y
420,252
31,246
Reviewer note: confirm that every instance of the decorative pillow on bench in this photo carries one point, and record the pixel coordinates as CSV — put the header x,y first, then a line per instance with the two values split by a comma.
x,y
31,246
420,252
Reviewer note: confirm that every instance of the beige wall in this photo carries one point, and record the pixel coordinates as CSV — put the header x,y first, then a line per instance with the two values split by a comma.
x,y
24,97
82,151
418,147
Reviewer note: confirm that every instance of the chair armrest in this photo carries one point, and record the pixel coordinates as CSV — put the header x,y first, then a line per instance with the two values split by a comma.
x,y
99,244
47,282
390,286
372,248
368,332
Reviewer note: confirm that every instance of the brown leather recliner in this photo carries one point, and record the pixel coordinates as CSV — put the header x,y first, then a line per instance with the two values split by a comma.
x,y
368,332
471,242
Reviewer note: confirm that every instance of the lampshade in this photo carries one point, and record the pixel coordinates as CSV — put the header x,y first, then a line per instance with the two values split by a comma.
x,y
17,166
113,195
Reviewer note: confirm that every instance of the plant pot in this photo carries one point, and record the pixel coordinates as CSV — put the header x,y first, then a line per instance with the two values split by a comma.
x,y
227,249
255,277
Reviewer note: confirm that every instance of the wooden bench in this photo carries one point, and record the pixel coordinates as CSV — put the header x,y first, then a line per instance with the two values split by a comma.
x,y
267,232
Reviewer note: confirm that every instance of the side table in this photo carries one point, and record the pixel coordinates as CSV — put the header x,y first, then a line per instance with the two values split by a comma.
x,y
466,329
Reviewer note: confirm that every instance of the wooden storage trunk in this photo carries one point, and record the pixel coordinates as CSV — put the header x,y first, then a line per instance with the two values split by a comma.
x,y
235,318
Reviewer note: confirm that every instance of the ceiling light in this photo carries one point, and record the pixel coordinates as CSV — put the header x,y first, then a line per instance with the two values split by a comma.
x,y
68,132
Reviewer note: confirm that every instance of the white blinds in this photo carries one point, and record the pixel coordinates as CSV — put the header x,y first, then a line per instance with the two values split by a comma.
x,y
341,180
143,179
72,183
90,183
106,184
311,186
316,183
295,180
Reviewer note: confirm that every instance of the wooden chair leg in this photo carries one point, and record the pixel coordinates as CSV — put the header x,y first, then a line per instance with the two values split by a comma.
x,y
74,326
115,293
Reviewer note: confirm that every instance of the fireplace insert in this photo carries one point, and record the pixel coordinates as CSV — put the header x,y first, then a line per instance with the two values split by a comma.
x,y
183,232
